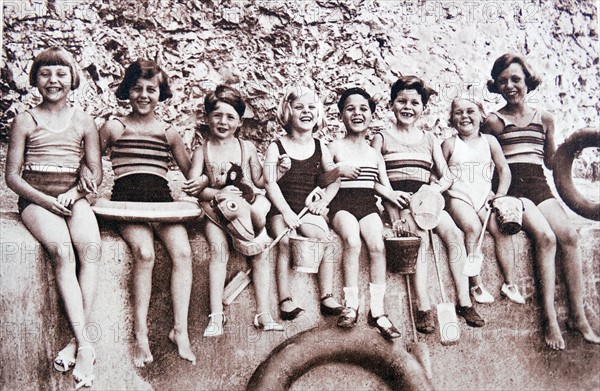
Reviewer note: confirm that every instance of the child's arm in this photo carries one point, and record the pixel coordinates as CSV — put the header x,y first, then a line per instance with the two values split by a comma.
x,y
501,165
273,191
550,145
440,164
198,181
178,151
91,167
318,207
15,158
399,199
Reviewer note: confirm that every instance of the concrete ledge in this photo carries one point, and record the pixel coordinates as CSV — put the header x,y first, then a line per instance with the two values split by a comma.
x,y
508,353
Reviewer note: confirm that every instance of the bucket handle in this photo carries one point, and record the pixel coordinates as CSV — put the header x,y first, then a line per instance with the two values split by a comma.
x,y
321,228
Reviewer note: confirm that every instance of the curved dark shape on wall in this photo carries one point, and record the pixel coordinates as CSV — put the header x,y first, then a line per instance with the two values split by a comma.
x,y
563,162
306,350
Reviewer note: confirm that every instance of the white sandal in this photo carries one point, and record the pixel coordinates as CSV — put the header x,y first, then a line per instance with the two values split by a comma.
x,y
267,326
85,380
212,329
65,359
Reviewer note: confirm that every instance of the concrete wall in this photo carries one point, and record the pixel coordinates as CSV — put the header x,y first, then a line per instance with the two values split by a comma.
x,y
508,353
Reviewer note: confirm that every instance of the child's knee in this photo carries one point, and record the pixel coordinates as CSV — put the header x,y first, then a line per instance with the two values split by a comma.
x,y
143,255
352,243
545,240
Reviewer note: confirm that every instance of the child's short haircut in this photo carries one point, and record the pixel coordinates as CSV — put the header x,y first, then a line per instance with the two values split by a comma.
x,y
356,91
476,102
285,107
226,94
412,83
55,55
503,62
144,69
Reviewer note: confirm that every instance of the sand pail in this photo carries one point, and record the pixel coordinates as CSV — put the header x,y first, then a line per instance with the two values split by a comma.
x,y
426,205
509,213
402,252
307,253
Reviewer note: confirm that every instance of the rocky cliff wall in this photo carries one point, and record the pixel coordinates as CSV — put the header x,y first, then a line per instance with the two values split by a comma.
x,y
263,46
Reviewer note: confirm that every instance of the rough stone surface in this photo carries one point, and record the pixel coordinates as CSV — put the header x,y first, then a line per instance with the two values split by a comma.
x,y
264,46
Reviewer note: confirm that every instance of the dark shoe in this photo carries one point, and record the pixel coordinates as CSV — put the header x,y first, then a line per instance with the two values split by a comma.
x,y
471,316
424,322
348,318
289,315
386,332
330,311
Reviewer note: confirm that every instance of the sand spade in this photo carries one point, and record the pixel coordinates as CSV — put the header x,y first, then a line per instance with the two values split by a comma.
x,y
446,314
242,279
473,265
419,350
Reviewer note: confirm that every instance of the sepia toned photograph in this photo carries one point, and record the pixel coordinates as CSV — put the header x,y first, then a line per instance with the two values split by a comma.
x,y
299,195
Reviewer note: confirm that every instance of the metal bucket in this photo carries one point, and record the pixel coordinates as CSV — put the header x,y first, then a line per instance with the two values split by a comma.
x,y
402,252
509,213
307,253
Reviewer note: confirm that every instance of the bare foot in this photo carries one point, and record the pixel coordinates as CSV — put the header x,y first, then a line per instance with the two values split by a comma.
x,y
331,303
142,354
585,329
554,339
184,348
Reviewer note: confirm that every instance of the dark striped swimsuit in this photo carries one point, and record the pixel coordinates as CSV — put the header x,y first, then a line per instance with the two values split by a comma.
x,y
521,146
140,163
357,196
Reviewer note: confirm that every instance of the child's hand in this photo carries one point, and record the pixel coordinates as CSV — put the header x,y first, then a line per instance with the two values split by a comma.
x,y
194,186
349,170
318,207
403,198
87,184
53,205
68,198
284,163
231,189
292,220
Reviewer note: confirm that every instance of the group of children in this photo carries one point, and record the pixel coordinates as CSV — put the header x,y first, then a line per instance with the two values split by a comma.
x,y
54,161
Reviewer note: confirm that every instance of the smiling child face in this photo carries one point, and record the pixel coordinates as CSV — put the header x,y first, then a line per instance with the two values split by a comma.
x,y
356,114
407,107
466,117
223,121
54,82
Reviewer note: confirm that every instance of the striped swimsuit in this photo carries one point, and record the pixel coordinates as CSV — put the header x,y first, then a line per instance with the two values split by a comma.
x,y
140,163
357,196
523,148
52,159
408,165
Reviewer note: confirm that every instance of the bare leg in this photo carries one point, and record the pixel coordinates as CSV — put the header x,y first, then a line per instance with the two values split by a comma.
x,y
568,244
217,272
176,241
457,253
85,236
53,234
545,249
309,228
346,226
283,264
140,239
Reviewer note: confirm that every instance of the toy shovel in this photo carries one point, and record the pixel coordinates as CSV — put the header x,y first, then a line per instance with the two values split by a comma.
x,y
419,350
446,314
241,280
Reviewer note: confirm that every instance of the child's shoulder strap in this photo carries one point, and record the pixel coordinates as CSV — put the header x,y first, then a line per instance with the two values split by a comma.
x,y
318,151
242,150
280,147
28,111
